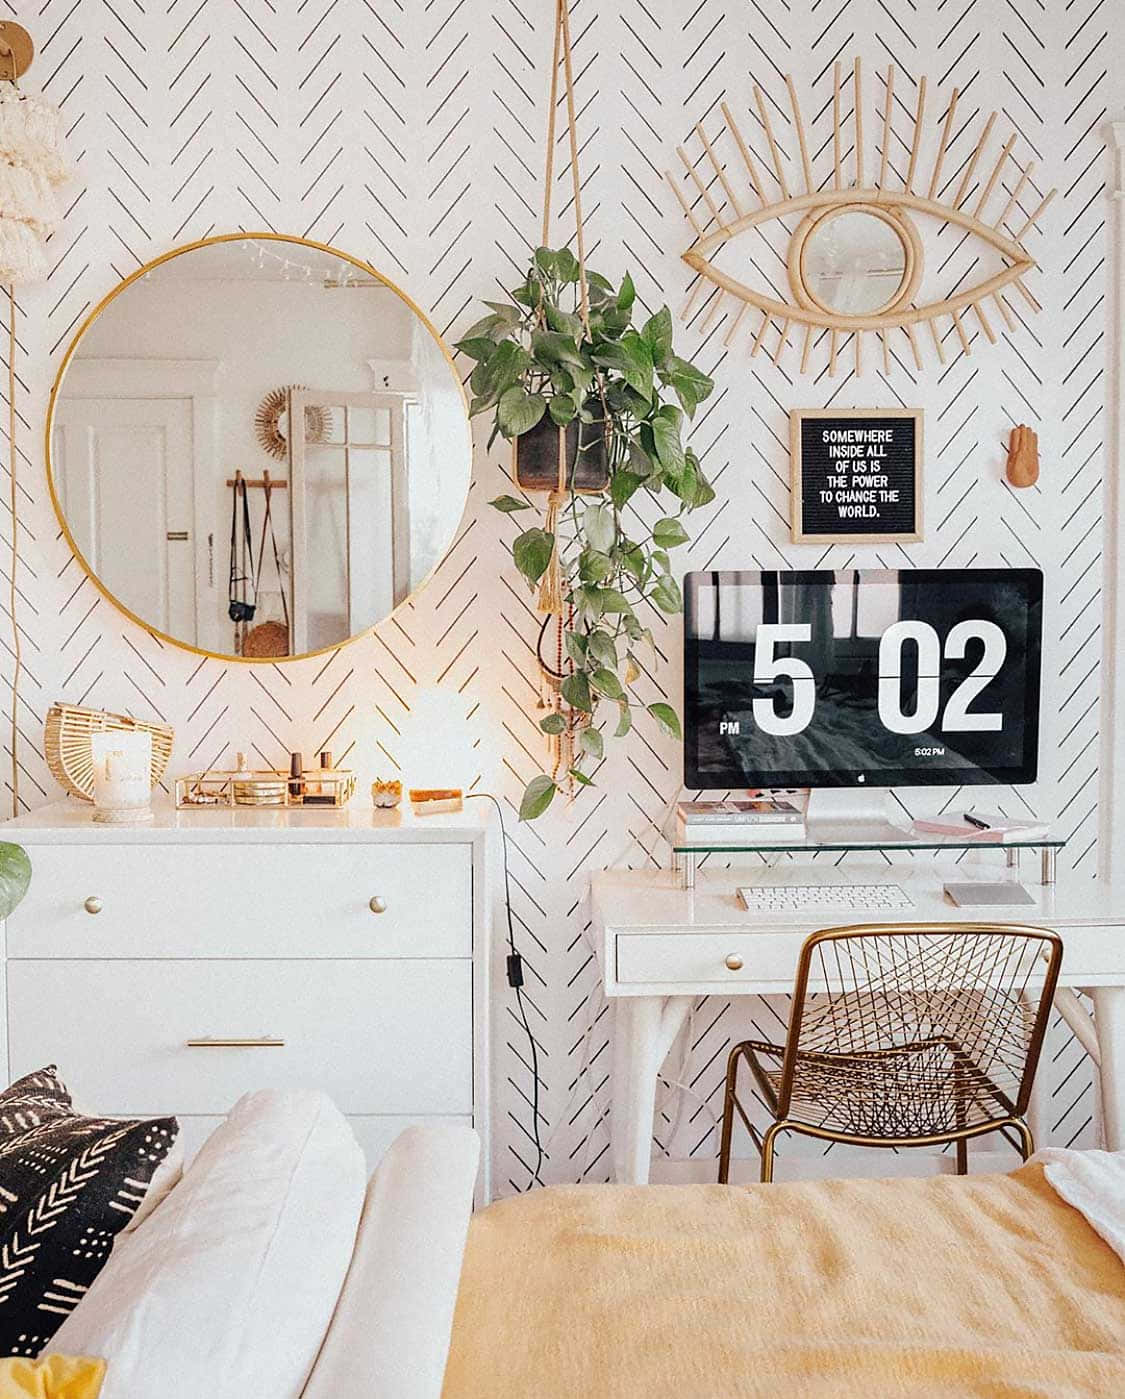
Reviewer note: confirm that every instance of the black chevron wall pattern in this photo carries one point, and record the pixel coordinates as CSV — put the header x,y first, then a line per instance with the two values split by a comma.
x,y
412,134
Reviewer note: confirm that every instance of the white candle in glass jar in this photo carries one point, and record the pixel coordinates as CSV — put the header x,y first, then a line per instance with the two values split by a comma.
x,y
122,775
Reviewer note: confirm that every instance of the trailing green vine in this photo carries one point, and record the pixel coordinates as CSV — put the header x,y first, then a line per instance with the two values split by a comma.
x,y
630,394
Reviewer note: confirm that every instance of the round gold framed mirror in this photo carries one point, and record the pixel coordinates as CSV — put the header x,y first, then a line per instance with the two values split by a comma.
x,y
167,495
855,259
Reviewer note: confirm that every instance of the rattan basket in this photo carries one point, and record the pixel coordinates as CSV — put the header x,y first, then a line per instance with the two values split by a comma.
x,y
67,743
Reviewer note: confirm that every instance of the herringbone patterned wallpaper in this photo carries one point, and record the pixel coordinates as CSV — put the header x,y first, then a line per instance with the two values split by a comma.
x,y
410,132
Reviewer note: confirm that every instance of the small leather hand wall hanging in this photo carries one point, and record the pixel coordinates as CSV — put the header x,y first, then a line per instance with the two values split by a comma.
x,y
1023,457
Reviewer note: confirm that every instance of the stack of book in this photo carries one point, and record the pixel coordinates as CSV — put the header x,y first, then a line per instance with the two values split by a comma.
x,y
733,823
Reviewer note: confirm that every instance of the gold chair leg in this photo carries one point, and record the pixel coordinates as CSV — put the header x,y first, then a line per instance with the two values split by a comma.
x,y
767,1150
728,1118
1027,1148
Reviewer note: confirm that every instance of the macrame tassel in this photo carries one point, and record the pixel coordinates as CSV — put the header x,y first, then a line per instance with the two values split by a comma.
x,y
550,585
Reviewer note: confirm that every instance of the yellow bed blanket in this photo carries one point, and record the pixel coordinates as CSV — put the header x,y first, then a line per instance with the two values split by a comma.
x,y
945,1287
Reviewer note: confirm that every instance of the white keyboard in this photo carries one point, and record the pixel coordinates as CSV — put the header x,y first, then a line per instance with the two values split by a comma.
x,y
814,898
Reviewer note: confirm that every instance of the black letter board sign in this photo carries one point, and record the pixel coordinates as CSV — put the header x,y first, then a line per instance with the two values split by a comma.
x,y
856,475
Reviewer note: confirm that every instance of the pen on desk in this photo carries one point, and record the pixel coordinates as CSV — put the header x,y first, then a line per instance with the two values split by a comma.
x,y
976,821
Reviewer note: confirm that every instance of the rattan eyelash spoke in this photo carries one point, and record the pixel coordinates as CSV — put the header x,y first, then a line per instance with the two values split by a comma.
x,y
903,1036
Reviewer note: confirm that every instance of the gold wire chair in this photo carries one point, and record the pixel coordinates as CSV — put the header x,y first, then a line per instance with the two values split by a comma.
x,y
915,1035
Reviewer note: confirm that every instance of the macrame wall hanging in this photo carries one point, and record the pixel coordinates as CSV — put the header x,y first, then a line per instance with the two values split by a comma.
x,y
32,167
559,614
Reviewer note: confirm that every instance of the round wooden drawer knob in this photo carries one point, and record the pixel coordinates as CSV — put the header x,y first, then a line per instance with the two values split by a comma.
x,y
93,904
377,904
734,962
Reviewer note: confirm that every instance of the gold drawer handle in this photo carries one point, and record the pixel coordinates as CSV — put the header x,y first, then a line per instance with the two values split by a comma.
x,y
377,904
93,904
229,1042
734,962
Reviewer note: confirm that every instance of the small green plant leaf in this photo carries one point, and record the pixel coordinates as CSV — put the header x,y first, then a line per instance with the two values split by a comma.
x,y
565,322
508,504
666,426
614,602
590,741
632,359
576,645
553,724
562,409
623,485
551,347
566,266
625,720
658,335
536,798
532,553
690,385
15,876
504,367
666,594
576,692
599,527
594,567
606,683
666,717
600,646
634,562
627,295
668,533
477,347
518,411
581,778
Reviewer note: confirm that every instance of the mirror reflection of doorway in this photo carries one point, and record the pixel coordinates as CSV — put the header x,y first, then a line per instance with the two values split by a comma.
x,y
351,513
124,471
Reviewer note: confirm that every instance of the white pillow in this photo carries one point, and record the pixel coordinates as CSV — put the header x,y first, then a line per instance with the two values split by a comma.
x,y
228,1288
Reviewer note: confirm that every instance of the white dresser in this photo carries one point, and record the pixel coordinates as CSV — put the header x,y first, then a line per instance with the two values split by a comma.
x,y
171,967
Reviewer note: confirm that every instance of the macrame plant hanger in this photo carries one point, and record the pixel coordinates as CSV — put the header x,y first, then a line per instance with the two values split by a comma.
x,y
551,601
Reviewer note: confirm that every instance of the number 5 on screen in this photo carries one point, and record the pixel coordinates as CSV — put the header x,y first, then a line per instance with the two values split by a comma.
x,y
769,667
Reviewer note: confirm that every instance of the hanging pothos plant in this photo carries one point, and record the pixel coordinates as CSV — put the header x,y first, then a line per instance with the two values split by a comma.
x,y
543,356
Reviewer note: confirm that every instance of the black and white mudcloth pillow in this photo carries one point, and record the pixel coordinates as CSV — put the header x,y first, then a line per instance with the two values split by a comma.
x,y
68,1185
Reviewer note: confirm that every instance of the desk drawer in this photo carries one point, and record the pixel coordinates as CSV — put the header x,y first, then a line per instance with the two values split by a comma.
x,y
389,1037
701,958
246,901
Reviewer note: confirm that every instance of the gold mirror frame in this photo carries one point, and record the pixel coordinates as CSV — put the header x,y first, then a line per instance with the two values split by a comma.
x,y
56,388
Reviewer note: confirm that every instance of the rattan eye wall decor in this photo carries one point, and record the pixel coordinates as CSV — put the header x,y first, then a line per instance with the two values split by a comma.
x,y
855,259
271,410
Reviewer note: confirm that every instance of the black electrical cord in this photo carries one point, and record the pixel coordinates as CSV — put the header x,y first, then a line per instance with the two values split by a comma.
x,y
515,981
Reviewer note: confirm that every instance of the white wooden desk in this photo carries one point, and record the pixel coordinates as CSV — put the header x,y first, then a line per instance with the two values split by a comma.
x,y
661,946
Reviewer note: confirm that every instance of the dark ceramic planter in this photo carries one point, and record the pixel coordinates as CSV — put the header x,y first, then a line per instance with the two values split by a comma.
x,y
537,457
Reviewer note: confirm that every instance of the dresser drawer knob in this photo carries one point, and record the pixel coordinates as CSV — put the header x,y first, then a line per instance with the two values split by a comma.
x,y
734,962
377,904
93,904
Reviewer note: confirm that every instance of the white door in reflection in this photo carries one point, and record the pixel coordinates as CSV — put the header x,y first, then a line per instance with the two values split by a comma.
x,y
123,472
351,513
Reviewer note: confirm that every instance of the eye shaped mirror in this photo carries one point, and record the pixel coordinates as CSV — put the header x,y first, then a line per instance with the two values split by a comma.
x,y
258,447
856,262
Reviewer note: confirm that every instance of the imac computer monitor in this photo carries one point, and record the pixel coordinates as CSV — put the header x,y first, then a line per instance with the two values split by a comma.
x,y
895,677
